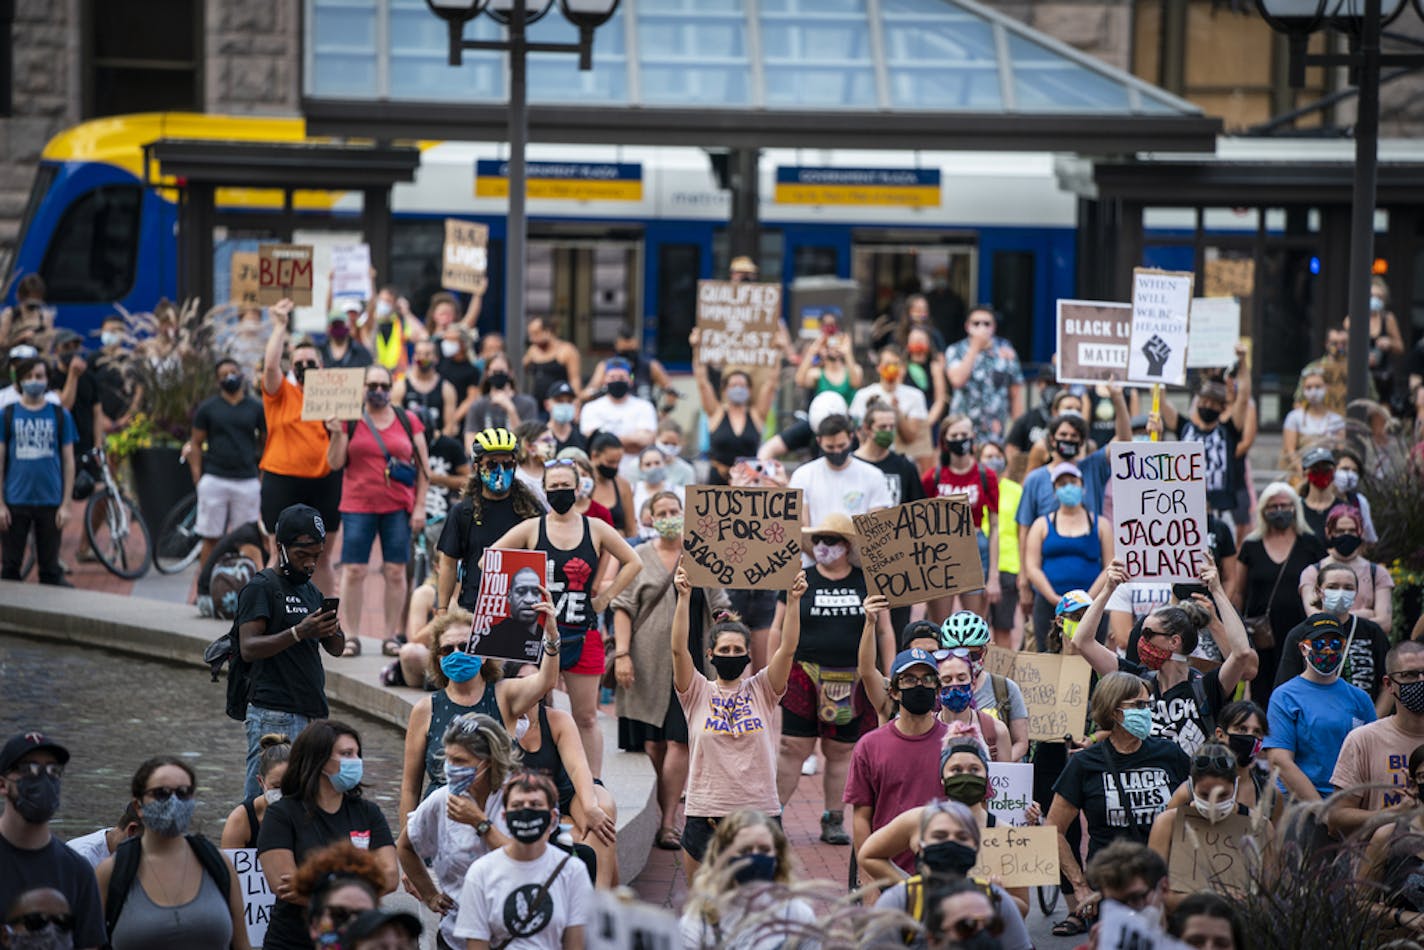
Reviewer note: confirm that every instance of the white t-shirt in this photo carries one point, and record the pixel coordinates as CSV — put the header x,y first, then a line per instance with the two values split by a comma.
x,y
495,900
1298,420
450,846
9,396
854,490
698,934
1139,598
911,402
620,418
93,847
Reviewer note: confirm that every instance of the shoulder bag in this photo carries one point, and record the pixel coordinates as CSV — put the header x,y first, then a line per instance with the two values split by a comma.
x,y
1258,626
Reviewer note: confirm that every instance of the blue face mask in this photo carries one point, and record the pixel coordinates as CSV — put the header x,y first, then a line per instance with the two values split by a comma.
x,y
562,413
459,778
1070,495
1138,722
956,698
461,667
34,388
348,776
498,480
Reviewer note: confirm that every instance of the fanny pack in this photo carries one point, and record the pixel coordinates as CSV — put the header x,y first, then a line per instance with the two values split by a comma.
x,y
402,473
834,686
570,647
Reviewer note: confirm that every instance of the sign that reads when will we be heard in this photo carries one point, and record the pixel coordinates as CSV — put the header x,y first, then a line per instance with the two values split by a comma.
x,y
1159,509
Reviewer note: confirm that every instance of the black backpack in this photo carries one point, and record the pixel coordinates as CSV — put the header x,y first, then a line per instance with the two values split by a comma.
x,y
126,860
226,651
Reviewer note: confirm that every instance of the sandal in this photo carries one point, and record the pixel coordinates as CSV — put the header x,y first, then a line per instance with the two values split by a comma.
x,y
393,675
669,839
391,646
1070,926
352,648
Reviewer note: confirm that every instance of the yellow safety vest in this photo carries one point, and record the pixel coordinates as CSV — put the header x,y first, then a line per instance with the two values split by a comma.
x,y
390,351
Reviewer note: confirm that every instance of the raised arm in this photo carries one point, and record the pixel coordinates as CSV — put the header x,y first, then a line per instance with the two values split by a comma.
x,y
1085,640
1122,424
865,666
778,668
683,665
272,356
1234,642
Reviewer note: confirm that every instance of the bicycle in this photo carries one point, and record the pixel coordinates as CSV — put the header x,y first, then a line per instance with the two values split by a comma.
x,y
178,542
117,533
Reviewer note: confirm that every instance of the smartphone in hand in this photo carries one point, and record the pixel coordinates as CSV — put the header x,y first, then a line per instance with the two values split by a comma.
x,y
330,603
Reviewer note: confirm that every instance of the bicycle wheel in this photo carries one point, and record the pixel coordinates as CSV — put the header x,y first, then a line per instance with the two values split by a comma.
x,y
178,545
1047,898
118,535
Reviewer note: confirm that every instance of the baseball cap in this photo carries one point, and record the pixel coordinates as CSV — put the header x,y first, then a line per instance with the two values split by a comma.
x,y
24,352
908,658
617,363
298,520
65,335
22,744
1063,468
370,921
559,390
1322,625
1315,456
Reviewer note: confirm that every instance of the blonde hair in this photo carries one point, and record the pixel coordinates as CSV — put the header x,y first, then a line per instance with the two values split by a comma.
x,y
712,880
484,738
1258,524
1111,692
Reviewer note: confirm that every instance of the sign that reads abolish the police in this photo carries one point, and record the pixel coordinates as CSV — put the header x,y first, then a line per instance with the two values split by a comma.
x,y
921,550
742,537
736,324
1159,509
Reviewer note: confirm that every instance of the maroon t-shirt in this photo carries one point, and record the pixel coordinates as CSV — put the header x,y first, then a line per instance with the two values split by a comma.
x,y
893,772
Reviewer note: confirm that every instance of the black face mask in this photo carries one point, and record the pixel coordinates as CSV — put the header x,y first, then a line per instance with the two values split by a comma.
x,y
618,388
231,383
561,499
1280,519
36,798
290,571
1067,450
917,700
607,471
1243,747
631,355
498,380
1209,416
948,857
730,668
1346,544
528,825
837,459
959,446
300,371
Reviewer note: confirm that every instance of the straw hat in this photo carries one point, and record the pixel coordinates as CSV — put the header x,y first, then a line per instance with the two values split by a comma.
x,y
837,523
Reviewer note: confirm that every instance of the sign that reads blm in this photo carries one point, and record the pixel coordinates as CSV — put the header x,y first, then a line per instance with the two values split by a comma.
x,y
921,550
1092,341
1161,310
1159,509
465,262
743,537
736,324
284,271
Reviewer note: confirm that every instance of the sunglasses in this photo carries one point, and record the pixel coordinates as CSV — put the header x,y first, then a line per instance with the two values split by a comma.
x,y
305,364
499,466
1219,761
37,921
968,929
827,539
36,769
560,463
378,387
448,648
341,916
163,793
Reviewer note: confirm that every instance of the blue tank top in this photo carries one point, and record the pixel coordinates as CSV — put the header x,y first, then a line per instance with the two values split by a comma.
x,y
443,711
1071,563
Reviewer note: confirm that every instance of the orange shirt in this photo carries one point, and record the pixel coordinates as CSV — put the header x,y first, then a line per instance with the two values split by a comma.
x,y
294,447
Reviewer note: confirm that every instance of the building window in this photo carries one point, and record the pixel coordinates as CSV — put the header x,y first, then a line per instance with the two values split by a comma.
x,y
679,266
91,257
142,56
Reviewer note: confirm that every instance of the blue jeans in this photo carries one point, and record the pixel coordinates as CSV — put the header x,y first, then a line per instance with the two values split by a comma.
x,y
259,723
362,528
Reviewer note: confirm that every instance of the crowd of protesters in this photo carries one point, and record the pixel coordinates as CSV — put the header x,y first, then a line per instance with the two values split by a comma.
x,y
1287,678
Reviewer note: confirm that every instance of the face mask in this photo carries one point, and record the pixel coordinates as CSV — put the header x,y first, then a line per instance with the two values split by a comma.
x,y
884,438
1346,544
956,698
1209,416
1069,496
425,365
460,667
959,446
528,825
607,471
1070,628
347,776
917,700
668,527
1067,450
169,818
1244,747
1376,304
1411,696
828,553
48,937
948,857
755,867
1280,519
498,480
338,331
837,459
459,778
736,395
669,449
561,499
1347,479
995,464
449,348
111,338
562,413
36,798
890,374
1151,656
272,795
498,380
383,309
918,349
730,668
585,488
232,382
967,788
1315,395
299,372
289,570
618,388
654,475
1218,810
378,398
628,353
33,388
1326,664
1137,722
1320,478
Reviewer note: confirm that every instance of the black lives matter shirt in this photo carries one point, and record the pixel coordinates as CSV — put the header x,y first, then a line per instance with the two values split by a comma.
x,y
831,619
1176,714
293,680
1105,790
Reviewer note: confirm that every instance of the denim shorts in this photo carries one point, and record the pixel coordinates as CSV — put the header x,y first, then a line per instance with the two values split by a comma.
x,y
361,530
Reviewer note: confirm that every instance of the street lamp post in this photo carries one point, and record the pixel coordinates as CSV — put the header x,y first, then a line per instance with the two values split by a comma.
x,y
1363,21
516,16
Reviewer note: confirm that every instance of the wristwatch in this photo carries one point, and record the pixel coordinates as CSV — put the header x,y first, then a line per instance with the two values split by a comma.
x,y
483,828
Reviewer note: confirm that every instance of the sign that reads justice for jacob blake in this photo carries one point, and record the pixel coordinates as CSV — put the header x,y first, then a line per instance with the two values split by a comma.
x,y
742,537
1159,509
921,550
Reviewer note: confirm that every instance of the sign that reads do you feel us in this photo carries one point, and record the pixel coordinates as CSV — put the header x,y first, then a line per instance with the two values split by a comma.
x,y
743,537
1159,509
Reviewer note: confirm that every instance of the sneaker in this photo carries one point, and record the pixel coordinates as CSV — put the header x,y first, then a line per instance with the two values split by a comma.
x,y
809,766
833,828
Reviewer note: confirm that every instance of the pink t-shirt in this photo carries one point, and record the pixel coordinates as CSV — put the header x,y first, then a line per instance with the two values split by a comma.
x,y
732,744
1376,754
364,487
892,773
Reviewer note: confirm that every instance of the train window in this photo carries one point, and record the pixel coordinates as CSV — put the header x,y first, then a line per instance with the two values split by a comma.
x,y
94,250
809,261
679,266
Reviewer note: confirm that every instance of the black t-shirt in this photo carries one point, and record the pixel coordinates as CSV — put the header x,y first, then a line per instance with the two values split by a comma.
x,y
465,540
356,356
434,400
115,392
1090,783
86,397
289,825
1219,446
294,679
1220,540
55,865
1175,715
575,440
1364,663
1028,429
902,478
831,618
232,435
1261,573
462,375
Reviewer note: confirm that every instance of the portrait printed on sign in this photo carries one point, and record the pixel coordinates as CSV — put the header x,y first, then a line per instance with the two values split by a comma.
x,y
507,625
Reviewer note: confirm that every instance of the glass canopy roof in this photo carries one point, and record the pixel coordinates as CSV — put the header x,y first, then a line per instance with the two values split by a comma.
x,y
774,55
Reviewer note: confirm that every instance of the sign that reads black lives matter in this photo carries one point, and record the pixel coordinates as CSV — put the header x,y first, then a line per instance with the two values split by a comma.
x,y
921,550
742,537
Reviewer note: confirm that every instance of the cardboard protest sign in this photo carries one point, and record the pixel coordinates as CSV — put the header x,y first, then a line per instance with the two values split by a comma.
x,y
1055,689
1210,857
1012,783
244,278
630,925
284,271
257,897
1122,928
1159,509
507,626
1000,661
1021,857
921,550
351,271
1092,341
1229,277
1161,311
465,260
333,394
737,324
742,537
1215,328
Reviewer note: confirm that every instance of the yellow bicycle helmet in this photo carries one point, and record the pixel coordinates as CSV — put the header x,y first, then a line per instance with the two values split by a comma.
x,y
493,440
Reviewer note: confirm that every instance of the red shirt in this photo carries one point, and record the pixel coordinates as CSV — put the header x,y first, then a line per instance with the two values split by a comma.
x,y
892,773
941,482
365,488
